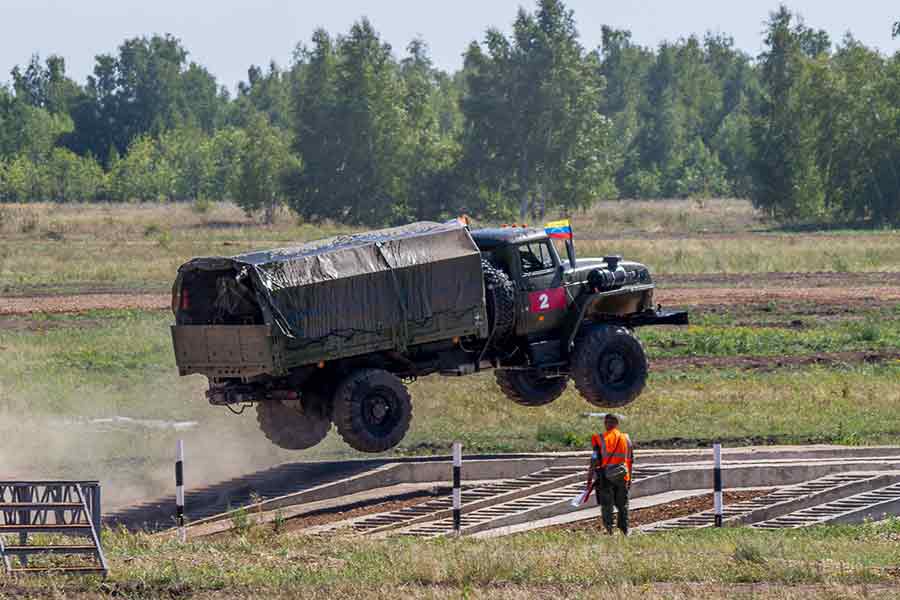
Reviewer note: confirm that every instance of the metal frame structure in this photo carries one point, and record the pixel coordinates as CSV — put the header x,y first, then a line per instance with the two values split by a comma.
x,y
70,508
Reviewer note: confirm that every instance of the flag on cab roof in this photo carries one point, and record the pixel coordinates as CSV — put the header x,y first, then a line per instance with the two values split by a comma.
x,y
559,230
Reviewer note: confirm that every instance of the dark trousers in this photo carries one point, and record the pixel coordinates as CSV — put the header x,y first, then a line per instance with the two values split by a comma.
x,y
611,495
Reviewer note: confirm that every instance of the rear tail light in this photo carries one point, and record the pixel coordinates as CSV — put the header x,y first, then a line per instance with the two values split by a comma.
x,y
185,300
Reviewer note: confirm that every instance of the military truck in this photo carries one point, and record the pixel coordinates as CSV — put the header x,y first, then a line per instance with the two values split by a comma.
x,y
332,331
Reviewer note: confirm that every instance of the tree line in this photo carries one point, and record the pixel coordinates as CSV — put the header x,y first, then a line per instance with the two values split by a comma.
x,y
533,122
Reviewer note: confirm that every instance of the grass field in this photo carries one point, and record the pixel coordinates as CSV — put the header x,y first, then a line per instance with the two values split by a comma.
x,y
67,380
96,394
827,562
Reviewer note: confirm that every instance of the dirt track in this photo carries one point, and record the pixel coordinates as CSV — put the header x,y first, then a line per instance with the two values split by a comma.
x,y
854,289
26,305
663,512
869,296
770,363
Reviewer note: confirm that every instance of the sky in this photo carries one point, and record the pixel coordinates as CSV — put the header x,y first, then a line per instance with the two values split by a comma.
x,y
226,36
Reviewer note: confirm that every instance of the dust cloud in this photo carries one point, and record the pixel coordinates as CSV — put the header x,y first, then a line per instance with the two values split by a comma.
x,y
134,458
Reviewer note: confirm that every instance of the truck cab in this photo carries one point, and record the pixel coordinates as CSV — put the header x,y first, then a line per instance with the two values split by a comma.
x,y
549,286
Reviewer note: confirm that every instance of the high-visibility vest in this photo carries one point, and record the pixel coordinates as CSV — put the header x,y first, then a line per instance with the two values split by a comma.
x,y
614,448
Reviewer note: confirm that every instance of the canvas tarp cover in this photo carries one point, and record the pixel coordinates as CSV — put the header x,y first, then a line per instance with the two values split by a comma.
x,y
378,282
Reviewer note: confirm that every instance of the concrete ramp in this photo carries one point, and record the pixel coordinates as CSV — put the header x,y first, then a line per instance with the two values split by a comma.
x,y
874,505
785,501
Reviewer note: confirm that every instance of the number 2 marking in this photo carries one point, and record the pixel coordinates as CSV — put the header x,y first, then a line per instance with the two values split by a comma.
x,y
546,300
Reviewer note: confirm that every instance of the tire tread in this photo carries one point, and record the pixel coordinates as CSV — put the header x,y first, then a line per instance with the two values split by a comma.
x,y
347,413
588,349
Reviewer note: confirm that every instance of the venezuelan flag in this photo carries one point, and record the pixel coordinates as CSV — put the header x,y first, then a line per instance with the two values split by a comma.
x,y
559,230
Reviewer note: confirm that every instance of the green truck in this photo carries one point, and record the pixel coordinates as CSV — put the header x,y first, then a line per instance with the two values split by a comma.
x,y
332,331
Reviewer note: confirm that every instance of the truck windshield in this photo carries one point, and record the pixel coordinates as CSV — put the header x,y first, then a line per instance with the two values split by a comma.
x,y
535,257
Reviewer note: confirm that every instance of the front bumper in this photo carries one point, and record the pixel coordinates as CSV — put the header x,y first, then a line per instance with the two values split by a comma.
x,y
657,317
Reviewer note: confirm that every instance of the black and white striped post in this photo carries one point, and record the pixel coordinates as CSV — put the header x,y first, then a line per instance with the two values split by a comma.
x,y
457,494
179,490
717,482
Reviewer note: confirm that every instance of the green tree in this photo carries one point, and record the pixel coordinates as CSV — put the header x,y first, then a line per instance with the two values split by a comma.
x,y
147,88
734,147
226,150
351,130
855,100
70,177
265,161
46,86
4,184
29,130
27,180
701,174
787,181
371,124
188,152
530,108
624,67
431,128
268,92
142,173
316,141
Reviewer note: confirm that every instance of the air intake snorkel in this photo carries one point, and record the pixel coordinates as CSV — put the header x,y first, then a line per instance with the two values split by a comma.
x,y
612,277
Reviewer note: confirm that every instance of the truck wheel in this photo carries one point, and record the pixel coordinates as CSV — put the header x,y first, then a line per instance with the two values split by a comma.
x,y
289,428
500,294
372,410
528,389
610,366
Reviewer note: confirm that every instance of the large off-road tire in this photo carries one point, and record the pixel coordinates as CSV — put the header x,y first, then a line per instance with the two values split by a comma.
x,y
610,366
289,427
372,410
528,389
500,294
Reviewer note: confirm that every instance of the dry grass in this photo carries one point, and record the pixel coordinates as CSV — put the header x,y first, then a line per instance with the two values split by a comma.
x,y
542,564
671,217
76,248
126,221
757,254
120,222
53,248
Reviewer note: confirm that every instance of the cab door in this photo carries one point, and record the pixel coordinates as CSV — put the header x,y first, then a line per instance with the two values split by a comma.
x,y
542,294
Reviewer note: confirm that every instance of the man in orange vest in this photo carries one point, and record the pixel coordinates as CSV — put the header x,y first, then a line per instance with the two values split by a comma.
x,y
611,467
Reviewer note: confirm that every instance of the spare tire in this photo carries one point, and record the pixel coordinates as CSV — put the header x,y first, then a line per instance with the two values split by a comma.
x,y
610,366
500,295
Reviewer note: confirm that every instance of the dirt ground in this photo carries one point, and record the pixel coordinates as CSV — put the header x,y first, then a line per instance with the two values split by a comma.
x,y
770,363
857,296
664,512
25,305
325,517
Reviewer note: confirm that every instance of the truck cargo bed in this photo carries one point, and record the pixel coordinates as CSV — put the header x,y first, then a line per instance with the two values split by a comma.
x,y
275,310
